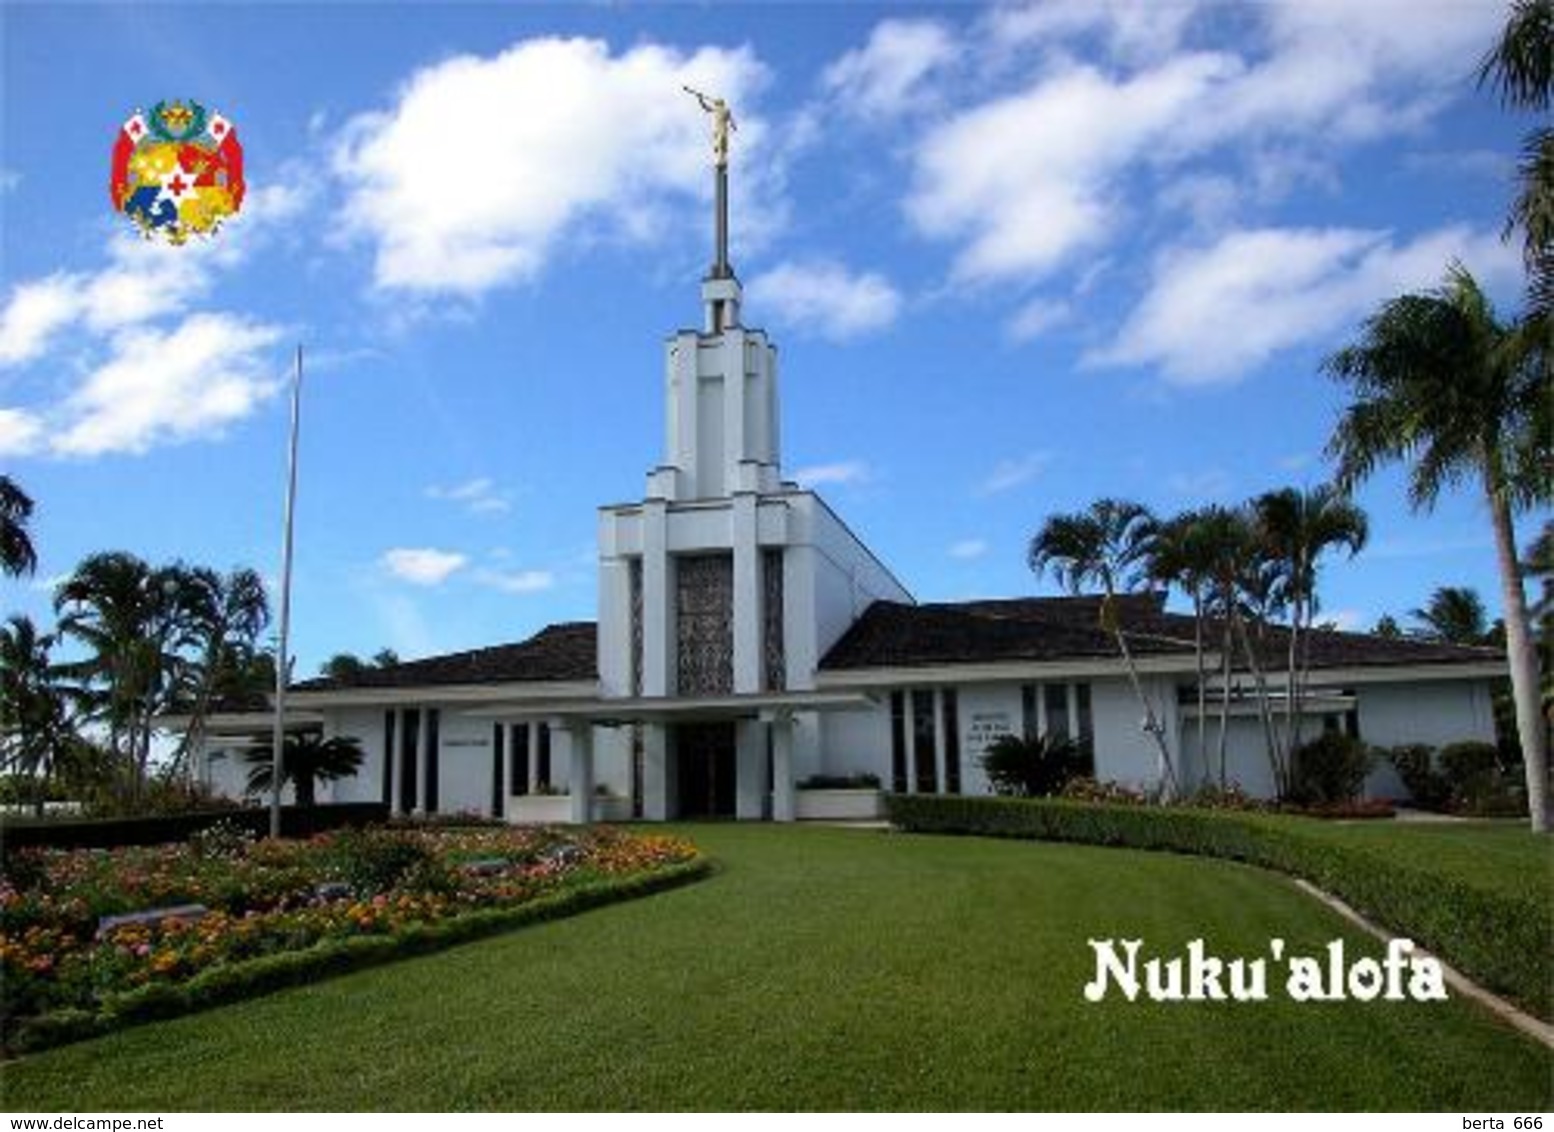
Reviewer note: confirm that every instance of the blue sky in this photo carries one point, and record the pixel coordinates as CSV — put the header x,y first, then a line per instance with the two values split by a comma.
x,y
1014,259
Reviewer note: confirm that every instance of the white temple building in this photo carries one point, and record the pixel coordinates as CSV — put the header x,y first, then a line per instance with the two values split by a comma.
x,y
747,641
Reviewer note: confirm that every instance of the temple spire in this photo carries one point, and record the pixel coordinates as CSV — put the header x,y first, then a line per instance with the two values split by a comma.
x,y
722,309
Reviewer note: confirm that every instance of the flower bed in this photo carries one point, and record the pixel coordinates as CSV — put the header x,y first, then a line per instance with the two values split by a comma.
x,y
280,911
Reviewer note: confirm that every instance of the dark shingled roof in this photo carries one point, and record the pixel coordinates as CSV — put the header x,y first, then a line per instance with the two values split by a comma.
x,y
568,651
894,635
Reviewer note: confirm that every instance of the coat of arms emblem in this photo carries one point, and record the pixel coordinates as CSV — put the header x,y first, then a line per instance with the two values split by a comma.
x,y
177,171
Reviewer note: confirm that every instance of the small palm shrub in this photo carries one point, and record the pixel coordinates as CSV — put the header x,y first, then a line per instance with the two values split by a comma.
x,y
1415,765
1038,767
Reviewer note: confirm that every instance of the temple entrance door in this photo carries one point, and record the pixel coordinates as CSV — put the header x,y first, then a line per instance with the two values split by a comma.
x,y
704,755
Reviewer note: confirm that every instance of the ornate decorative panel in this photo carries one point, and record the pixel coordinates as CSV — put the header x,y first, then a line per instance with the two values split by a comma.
x,y
704,588
773,654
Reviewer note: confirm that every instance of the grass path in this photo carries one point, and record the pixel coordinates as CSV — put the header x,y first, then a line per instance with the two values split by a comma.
x,y
825,968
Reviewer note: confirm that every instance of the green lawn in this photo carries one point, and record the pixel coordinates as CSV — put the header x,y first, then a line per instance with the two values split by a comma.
x,y
824,968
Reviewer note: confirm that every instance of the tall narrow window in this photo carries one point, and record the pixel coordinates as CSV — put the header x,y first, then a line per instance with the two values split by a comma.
x,y
635,582
409,742
898,752
519,757
498,793
951,741
1030,722
542,759
924,749
433,751
1082,707
1056,697
774,656
388,757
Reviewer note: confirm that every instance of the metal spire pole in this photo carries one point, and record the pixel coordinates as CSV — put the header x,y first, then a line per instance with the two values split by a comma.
x,y
282,664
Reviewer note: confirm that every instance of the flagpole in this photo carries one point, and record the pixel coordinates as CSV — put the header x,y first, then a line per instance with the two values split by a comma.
x,y
282,664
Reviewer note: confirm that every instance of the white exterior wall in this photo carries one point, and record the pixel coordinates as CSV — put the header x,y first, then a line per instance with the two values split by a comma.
x,y
987,712
1124,751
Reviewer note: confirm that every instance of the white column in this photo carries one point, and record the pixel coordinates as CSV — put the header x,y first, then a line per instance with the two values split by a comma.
x,y
423,745
396,764
747,597
749,770
534,755
658,611
782,768
580,740
657,781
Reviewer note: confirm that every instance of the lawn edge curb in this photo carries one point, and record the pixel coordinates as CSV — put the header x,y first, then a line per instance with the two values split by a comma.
x,y
1506,1010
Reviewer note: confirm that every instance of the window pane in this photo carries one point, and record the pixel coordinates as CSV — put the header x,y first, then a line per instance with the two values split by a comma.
x,y
1056,697
898,758
924,749
1029,724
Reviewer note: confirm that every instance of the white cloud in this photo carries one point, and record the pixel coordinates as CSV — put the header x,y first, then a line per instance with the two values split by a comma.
x,y
1009,474
34,312
1023,183
10,180
1133,30
823,297
844,472
516,581
479,496
423,566
1037,317
888,75
1279,287
969,548
158,387
484,165
20,432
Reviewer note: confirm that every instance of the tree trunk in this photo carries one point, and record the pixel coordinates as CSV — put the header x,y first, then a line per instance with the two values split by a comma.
x,y
1203,693
1227,650
1523,661
1264,712
1151,724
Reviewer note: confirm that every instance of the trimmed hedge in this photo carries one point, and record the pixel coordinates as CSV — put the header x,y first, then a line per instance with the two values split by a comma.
x,y
1504,942
251,978
110,833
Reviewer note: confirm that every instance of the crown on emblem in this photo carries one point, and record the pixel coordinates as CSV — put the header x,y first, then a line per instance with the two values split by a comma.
x,y
177,117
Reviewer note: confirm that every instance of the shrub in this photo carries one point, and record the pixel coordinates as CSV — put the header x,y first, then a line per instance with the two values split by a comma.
x,y
1232,797
1502,940
1415,765
1086,789
373,861
1330,768
1033,768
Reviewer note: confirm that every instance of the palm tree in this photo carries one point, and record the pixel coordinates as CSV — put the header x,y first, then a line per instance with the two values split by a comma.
x,y
1439,381
1181,554
135,622
307,758
1296,528
17,554
1454,614
1107,545
37,735
1521,67
228,613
